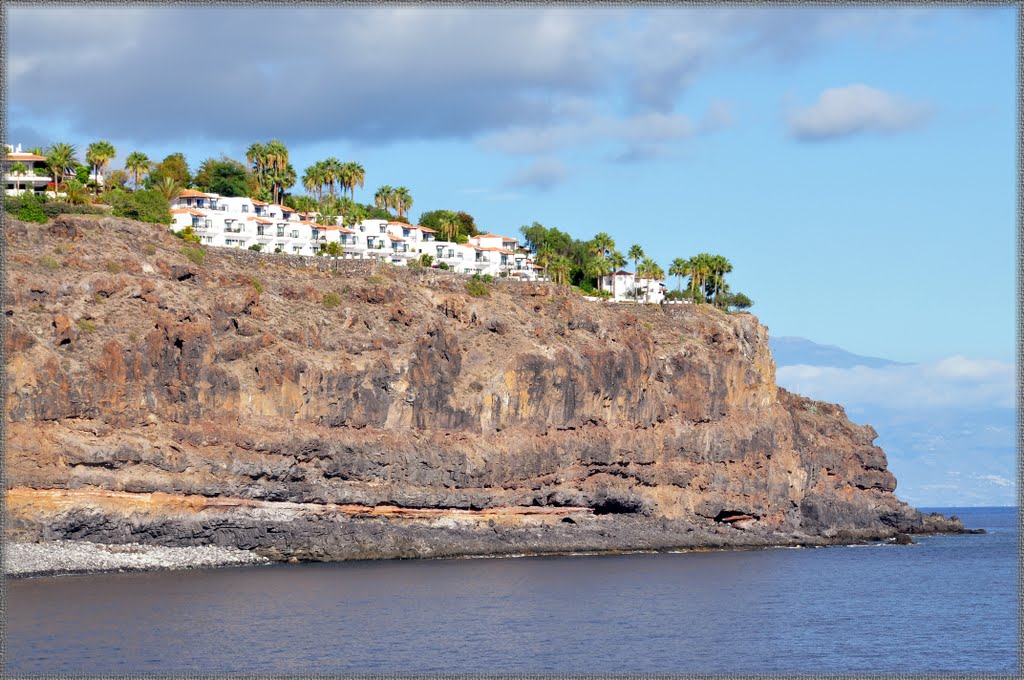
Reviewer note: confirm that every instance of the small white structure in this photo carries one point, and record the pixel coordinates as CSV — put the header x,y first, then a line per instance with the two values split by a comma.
x,y
26,182
625,287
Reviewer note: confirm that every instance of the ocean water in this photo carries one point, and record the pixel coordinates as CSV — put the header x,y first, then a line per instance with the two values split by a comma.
x,y
946,604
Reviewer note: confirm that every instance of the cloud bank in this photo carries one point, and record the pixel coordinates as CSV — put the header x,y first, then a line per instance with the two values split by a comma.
x,y
855,109
957,382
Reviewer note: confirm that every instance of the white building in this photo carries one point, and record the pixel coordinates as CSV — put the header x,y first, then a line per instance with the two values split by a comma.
x,y
26,182
625,287
239,222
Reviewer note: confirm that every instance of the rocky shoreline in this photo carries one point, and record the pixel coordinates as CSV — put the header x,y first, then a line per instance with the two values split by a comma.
x,y
58,558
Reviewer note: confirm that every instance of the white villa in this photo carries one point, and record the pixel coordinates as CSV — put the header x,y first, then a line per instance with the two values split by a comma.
x,y
27,181
245,222
625,287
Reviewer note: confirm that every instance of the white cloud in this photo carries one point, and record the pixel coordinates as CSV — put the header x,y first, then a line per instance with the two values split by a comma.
x,y
853,109
995,479
952,382
642,128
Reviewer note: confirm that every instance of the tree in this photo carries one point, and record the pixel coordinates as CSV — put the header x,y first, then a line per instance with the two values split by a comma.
x,y
617,260
651,271
313,181
224,176
602,244
560,266
138,164
168,188
173,165
277,169
98,155
301,203
331,170
354,174
636,253
118,179
60,158
679,268
76,193
383,199
146,205
449,226
596,267
403,201
16,170
256,157
741,301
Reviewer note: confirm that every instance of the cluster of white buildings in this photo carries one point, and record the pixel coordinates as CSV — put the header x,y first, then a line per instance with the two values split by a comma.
x,y
245,222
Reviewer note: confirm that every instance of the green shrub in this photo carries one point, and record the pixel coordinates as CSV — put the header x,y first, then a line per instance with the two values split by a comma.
x,y
145,206
28,209
443,265
113,267
49,262
257,284
331,299
196,255
85,325
62,248
256,247
477,288
149,249
188,235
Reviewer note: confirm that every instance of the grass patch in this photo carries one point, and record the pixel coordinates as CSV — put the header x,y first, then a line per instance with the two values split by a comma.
x,y
149,249
86,326
194,254
48,262
477,288
257,284
113,267
331,300
62,248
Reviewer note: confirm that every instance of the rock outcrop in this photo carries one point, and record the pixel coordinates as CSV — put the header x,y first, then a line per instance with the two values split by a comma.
x,y
151,399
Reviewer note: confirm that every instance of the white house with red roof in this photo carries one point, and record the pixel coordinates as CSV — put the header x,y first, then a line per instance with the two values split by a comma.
x,y
27,181
625,287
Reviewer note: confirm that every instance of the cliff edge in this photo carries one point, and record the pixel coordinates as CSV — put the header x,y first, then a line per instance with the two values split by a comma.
x,y
311,409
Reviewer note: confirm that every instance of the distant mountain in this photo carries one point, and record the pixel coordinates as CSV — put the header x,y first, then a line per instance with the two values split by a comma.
x,y
953,455
792,351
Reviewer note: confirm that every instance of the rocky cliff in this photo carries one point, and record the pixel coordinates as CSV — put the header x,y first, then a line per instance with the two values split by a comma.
x,y
236,402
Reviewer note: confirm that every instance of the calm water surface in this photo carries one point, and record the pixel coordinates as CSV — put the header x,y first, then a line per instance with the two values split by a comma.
x,y
947,604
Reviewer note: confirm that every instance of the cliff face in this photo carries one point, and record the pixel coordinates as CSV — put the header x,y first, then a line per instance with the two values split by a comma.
x,y
152,399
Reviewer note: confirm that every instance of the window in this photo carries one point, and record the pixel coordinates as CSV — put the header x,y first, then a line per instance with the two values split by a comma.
x,y
245,208
297,249
280,230
209,224
295,233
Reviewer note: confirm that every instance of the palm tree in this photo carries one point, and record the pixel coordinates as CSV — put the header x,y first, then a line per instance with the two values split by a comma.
x,y
61,158
354,174
168,187
636,253
402,201
98,155
312,181
449,227
651,271
383,199
75,192
256,156
544,257
679,268
277,167
332,169
602,243
560,267
138,164
16,171
595,268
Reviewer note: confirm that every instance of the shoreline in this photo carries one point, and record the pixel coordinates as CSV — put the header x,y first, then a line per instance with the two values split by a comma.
x,y
24,560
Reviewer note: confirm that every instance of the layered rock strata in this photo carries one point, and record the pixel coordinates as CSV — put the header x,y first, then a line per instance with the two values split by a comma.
x,y
151,399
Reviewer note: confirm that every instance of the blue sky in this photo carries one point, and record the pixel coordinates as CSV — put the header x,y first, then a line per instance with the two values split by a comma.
x,y
856,165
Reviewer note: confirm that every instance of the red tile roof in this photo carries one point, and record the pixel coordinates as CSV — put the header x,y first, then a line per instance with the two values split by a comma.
x,y
22,156
192,193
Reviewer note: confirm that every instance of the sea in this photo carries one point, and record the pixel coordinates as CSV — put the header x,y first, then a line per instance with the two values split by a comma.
x,y
948,604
